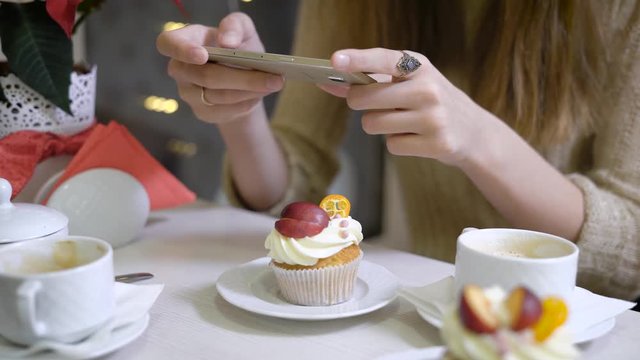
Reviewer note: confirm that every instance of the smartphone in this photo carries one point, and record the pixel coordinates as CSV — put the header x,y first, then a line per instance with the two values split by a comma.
x,y
291,67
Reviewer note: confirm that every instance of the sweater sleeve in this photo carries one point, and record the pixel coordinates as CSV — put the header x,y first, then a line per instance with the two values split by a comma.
x,y
609,240
308,123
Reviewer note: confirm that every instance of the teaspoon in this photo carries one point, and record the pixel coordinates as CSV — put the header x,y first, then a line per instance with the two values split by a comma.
x,y
130,278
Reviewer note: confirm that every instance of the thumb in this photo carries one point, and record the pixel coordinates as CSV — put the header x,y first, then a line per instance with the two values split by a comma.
x,y
335,90
237,31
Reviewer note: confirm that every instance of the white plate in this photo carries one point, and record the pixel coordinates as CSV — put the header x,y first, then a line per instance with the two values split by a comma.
x,y
119,338
590,333
252,287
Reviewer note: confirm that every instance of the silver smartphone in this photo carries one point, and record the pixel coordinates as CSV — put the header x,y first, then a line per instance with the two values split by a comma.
x,y
291,67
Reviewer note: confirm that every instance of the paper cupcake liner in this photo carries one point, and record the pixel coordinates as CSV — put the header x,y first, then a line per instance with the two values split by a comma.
x,y
318,287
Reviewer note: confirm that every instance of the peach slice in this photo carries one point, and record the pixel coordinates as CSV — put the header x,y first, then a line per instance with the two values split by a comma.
x,y
524,308
554,314
475,311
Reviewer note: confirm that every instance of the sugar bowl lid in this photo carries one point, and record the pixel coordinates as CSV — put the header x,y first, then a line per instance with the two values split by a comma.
x,y
26,221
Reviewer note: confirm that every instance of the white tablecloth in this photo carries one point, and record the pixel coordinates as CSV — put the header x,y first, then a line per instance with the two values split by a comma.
x,y
187,249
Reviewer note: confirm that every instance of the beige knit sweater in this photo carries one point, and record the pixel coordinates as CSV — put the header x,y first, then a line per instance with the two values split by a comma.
x,y
440,201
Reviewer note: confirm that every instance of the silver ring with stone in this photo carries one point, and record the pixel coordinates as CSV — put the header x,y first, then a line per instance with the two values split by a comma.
x,y
407,64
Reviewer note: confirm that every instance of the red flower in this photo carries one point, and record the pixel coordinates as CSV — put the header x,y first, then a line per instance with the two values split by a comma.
x,y
64,13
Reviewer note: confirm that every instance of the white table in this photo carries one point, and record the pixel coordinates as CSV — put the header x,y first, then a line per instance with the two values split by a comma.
x,y
187,249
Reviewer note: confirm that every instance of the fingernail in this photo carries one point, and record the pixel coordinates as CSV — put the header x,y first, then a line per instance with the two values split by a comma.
x,y
341,61
231,38
274,82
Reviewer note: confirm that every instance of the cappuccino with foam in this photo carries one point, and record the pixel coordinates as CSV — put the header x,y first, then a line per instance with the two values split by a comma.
x,y
508,258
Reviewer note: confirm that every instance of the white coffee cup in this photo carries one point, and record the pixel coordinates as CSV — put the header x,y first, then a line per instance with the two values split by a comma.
x,y
544,263
55,289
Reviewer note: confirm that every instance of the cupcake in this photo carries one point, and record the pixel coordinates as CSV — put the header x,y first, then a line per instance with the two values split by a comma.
x,y
315,252
489,324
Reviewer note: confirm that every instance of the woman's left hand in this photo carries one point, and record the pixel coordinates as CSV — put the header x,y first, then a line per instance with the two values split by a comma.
x,y
422,113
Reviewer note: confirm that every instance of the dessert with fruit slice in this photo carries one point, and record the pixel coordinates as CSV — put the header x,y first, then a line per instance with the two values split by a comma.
x,y
475,311
524,309
489,324
315,252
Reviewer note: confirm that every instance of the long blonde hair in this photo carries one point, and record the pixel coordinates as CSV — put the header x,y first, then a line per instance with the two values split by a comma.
x,y
537,64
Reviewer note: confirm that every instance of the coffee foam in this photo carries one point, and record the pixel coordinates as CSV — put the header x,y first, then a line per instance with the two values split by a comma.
x,y
512,253
62,255
523,247
65,254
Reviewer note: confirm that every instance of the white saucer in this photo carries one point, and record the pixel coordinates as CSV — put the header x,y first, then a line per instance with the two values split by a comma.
x,y
595,331
119,338
252,287
587,335
434,317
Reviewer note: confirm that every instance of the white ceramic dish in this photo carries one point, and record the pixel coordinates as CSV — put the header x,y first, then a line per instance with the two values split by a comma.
x,y
580,295
587,335
595,331
45,189
119,338
23,221
105,203
43,172
252,287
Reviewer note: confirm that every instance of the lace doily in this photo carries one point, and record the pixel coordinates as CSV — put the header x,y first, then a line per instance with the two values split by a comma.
x,y
28,110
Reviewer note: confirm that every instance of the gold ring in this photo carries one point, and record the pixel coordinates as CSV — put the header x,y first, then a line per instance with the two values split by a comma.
x,y
204,101
407,64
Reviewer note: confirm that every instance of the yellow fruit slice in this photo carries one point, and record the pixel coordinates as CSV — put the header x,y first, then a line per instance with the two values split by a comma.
x,y
554,314
335,204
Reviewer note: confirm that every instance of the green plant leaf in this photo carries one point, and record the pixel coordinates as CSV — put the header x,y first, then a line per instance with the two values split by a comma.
x,y
37,50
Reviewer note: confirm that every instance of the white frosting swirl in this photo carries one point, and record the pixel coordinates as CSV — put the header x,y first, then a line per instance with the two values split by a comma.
x,y
505,343
339,234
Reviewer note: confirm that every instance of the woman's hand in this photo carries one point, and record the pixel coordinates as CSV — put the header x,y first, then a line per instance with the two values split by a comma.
x,y
217,93
232,99
422,114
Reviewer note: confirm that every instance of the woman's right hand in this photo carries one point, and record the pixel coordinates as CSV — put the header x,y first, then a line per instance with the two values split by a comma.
x,y
217,93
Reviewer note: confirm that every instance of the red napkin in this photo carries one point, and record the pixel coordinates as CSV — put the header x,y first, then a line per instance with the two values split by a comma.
x,y
21,151
112,146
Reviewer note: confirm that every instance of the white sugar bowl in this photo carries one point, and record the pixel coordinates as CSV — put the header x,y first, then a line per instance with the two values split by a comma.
x,y
20,221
